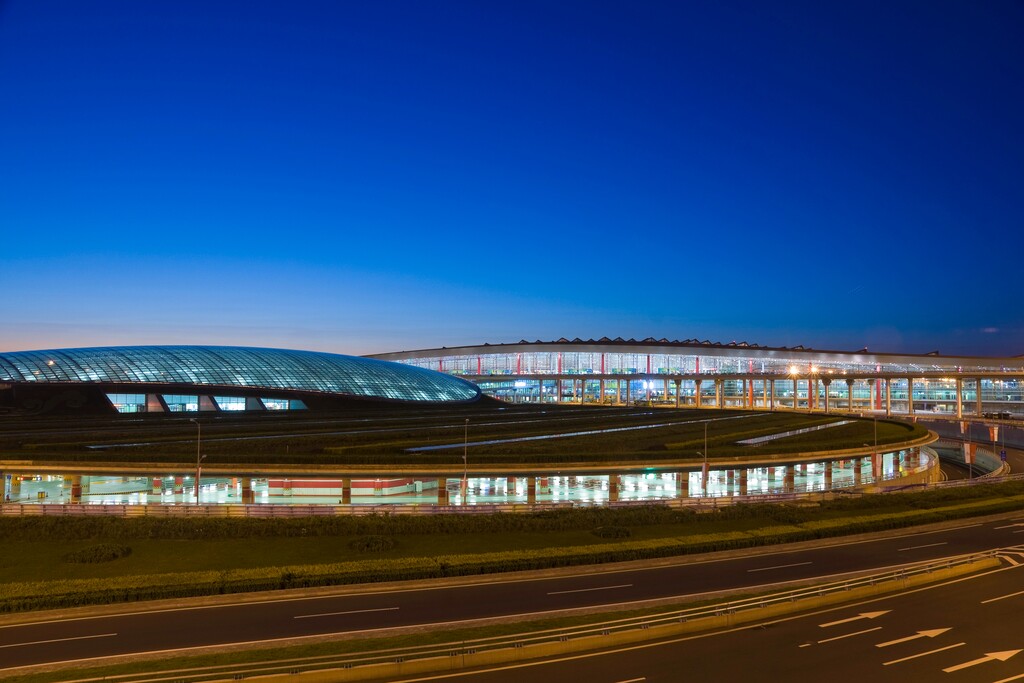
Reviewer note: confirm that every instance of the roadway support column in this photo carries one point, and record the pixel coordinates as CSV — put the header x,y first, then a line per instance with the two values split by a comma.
x,y
789,479
442,491
743,481
678,383
977,397
531,490
827,485
613,488
682,485
888,396
771,394
959,398
156,486
719,394
15,486
696,393
179,486
910,396
827,383
849,393
730,481
510,487
857,471
346,491
812,393
602,388
796,393
248,496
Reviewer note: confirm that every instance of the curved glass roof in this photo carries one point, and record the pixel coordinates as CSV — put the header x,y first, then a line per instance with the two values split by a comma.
x,y
236,366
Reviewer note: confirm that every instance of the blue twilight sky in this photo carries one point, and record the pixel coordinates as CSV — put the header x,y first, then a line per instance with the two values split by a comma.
x,y
376,176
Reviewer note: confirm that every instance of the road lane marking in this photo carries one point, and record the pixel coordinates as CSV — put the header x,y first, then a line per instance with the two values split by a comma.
x,y
633,680
918,547
351,611
60,640
1011,678
920,634
1009,526
1002,597
989,657
862,615
922,654
779,566
850,635
585,590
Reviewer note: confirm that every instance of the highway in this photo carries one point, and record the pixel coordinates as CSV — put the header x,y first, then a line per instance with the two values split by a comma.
x,y
964,631
363,610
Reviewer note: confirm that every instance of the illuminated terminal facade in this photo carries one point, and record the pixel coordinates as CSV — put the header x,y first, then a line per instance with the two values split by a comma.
x,y
695,373
175,379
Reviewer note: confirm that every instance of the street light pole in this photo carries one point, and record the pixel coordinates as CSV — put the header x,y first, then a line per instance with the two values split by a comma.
x,y
704,468
465,462
199,458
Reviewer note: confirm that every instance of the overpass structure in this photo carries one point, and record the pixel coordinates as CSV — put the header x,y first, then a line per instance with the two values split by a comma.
x,y
703,374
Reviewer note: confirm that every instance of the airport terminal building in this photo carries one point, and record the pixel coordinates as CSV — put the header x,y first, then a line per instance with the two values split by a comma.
x,y
710,374
688,373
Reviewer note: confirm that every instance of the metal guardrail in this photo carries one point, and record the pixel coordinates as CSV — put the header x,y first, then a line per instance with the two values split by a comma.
x,y
456,649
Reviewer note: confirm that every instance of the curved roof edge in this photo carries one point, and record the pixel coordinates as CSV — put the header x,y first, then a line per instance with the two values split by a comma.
x,y
706,348
235,366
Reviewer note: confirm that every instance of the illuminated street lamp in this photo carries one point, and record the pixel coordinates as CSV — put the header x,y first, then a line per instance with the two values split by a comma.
x,y
465,462
199,458
704,468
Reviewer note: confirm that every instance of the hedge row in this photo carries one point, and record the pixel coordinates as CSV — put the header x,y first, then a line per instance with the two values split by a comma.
x,y
40,595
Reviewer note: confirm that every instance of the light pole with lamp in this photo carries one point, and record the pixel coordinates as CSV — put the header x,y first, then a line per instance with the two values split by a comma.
x,y
199,458
704,469
465,462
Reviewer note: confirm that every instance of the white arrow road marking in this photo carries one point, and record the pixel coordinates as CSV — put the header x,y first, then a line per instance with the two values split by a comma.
x,y
918,547
351,611
922,654
585,590
920,634
862,615
780,566
989,657
60,640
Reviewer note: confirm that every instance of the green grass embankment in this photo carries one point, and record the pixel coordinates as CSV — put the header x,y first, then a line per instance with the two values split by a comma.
x,y
330,443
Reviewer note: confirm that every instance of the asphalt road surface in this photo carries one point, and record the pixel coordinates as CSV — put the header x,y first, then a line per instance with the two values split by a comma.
x,y
963,631
149,630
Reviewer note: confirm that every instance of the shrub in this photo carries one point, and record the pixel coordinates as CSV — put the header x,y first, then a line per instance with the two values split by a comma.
x,y
372,544
105,552
612,532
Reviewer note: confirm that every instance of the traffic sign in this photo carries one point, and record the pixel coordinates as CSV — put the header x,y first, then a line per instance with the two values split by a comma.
x,y
1002,455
